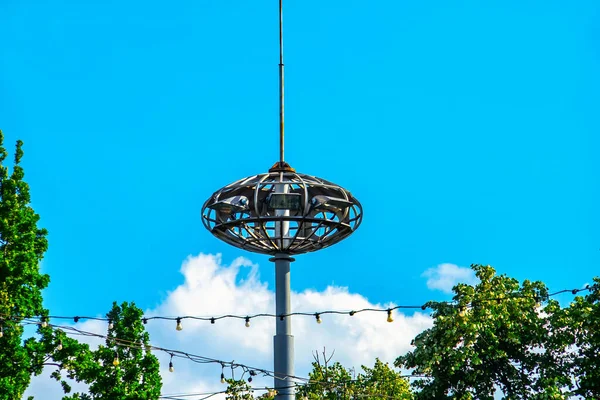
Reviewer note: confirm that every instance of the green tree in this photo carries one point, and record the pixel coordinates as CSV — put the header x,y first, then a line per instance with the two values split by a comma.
x,y
575,343
333,381
22,247
494,335
238,390
124,368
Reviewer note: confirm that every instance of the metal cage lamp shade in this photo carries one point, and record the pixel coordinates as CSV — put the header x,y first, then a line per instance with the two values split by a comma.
x,y
282,212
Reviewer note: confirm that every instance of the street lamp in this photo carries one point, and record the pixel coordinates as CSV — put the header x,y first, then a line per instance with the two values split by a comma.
x,y
282,213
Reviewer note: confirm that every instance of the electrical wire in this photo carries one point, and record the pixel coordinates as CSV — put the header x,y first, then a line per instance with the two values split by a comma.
x,y
317,315
300,381
69,330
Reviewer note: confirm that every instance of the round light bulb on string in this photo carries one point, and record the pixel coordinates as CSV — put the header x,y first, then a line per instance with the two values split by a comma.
x,y
110,324
44,322
116,360
247,322
60,346
179,327
1,332
318,318
171,368
222,377
389,317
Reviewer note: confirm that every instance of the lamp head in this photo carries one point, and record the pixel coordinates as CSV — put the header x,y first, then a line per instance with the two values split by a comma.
x,y
282,212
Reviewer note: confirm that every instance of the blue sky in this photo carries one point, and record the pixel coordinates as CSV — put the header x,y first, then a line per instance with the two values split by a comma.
x,y
477,121
468,130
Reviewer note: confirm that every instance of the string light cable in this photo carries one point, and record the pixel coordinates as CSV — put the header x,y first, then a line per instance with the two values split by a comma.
x,y
45,321
317,315
252,371
172,353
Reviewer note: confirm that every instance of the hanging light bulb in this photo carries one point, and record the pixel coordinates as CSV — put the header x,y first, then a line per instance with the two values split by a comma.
x,y
247,322
44,322
116,360
171,368
389,318
60,346
318,318
110,324
222,377
179,327
1,332
250,379
212,320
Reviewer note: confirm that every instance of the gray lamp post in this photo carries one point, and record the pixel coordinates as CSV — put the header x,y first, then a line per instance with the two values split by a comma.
x,y
282,213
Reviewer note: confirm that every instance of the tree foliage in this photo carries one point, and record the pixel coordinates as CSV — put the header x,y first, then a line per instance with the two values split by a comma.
x,y
575,341
495,335
239,389
22,247
114,371
333,381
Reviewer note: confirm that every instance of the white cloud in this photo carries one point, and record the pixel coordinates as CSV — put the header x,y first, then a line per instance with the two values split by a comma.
x,y
211,288
445,276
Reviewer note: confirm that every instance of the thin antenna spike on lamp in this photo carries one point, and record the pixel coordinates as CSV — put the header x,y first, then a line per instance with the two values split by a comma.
x,y
281,88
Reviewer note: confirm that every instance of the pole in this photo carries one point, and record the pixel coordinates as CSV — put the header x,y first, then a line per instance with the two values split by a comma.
x,y
281,84
283,342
